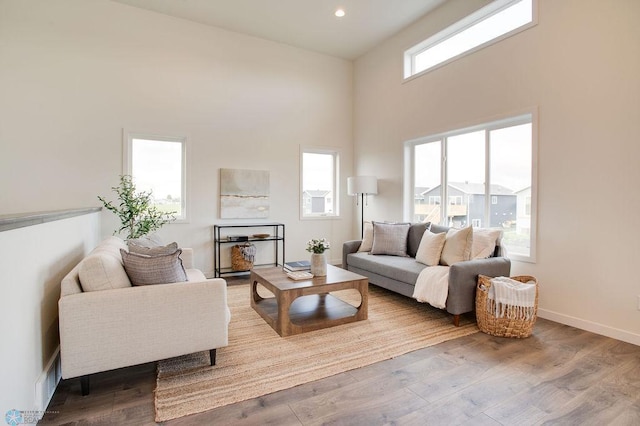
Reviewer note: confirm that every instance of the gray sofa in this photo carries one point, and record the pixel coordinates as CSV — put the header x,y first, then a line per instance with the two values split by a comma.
x,y
399,274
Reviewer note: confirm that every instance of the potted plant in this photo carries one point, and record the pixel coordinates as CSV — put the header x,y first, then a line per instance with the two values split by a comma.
x,y
138,216
318,258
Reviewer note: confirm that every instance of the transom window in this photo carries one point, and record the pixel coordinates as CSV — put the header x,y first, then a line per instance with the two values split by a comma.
x,y
157,164
486,172
492,23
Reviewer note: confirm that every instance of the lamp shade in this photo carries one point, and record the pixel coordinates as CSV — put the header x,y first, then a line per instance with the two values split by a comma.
x,y
362,185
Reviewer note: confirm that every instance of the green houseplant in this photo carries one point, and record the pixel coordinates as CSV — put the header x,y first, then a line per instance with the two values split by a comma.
x,y
138,216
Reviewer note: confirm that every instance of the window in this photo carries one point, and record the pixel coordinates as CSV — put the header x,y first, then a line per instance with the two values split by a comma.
x,y
319,170
492,23
491,167
157,164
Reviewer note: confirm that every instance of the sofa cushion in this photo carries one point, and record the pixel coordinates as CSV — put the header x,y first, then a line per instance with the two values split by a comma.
x,y
484,242
404,269
367,238
431,248
415,237
101,271
153,251
390,238
457,246
146,270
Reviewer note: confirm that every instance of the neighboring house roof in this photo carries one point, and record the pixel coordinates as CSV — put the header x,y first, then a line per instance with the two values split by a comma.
x,y
420,190
528,188
476,188
317,193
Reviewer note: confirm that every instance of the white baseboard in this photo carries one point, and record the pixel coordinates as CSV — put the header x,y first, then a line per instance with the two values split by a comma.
x,y
594,327
47,382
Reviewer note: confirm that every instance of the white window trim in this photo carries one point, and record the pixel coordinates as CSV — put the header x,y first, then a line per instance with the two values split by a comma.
x,y
127,148
459,26
336,183
521,117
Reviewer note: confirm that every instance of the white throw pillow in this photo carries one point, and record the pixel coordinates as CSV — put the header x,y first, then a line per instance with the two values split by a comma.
x,y
484,242
367,240
457,246
430,248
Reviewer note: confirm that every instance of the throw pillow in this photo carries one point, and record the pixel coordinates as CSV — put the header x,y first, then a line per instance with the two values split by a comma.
x,y
102,271
153,251
367,240
390,239
430,248
484,242
151,240
146,270
457,246
414,238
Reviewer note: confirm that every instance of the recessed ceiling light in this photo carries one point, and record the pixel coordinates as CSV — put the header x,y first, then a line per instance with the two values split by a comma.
x,y
339,13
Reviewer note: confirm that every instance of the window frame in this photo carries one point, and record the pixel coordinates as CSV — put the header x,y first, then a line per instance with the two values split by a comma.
x,y
496,6
519,119
129,136
335,153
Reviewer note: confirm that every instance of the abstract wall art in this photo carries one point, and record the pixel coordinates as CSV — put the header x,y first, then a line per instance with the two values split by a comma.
x,y
244,194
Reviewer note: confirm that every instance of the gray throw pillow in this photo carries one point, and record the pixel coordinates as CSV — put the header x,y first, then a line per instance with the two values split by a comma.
x,y
153,251
390,239
146,270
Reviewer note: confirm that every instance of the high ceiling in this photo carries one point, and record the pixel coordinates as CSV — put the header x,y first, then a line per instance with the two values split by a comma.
x,y
309,24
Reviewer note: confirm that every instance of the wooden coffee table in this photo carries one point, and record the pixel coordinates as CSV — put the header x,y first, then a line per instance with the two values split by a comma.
x,y
306,305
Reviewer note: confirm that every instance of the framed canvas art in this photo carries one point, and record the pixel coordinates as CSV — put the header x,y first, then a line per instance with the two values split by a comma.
x,y
244,194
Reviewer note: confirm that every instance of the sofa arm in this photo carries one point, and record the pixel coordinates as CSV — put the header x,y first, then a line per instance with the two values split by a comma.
x,y
187,258
349,247
104,330
463,279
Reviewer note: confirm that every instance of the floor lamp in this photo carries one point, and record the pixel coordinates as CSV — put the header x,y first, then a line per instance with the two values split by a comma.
x,y
362,186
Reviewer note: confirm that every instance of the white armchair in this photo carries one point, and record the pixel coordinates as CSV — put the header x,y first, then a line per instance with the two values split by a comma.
x,y
119,327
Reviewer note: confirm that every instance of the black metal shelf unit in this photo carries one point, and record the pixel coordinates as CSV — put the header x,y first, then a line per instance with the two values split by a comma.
x,y
220,238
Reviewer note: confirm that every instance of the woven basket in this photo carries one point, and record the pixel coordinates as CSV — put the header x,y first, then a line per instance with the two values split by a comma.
x,y
239,260
502,327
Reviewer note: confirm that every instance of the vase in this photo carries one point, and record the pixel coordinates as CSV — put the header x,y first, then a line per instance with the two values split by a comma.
x,y
318,264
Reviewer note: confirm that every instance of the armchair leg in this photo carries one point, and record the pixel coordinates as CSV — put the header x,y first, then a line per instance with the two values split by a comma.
x,y
84,385
456,320
212,356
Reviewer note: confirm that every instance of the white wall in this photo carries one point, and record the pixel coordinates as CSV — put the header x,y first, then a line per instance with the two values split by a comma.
x,y
579,67
33,262
74,73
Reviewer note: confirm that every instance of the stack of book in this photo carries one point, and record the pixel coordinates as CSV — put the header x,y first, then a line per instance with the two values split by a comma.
x,y
301,265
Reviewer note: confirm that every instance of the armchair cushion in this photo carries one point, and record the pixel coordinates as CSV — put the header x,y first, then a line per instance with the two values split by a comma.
x,y
153,251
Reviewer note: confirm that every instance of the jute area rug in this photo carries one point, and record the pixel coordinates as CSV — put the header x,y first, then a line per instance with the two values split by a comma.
x,y
258,361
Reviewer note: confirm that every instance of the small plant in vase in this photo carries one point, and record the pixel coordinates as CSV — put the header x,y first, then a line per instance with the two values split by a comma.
x,y
138,216
317,247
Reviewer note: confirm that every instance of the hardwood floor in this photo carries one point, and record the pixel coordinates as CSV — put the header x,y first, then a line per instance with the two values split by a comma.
x,y
560,375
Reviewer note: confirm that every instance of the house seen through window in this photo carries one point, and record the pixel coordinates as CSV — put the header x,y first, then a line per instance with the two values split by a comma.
x,y
319,169
486,174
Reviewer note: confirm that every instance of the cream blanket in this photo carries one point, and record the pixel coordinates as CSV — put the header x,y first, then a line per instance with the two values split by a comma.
x,y
511,299
432,286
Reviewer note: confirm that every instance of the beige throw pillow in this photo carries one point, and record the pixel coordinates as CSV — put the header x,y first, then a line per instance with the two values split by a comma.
x,y
367,240
390,239
457,246
484,242
146,270
430,248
